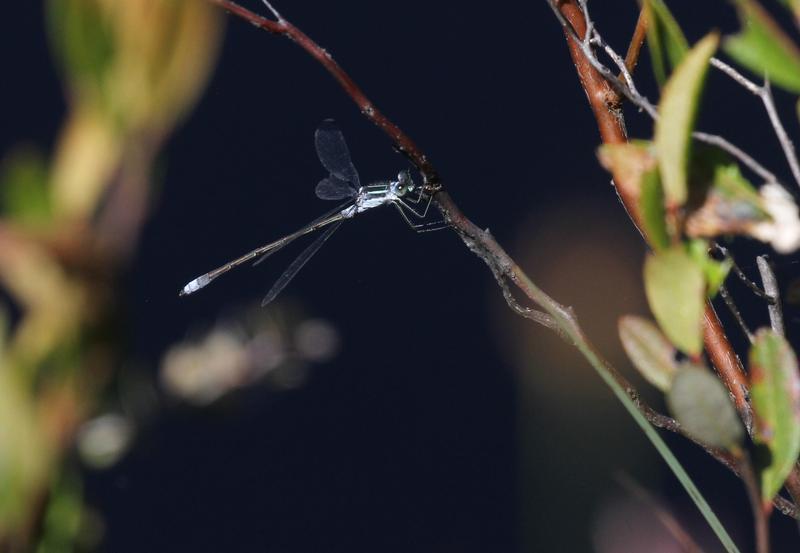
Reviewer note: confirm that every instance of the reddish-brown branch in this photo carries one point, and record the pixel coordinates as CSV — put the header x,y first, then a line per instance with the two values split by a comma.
x,y
637,40
727,364
400,139
605,103
612,131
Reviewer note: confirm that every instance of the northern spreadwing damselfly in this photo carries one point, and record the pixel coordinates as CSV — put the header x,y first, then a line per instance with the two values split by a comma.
x,y
342,183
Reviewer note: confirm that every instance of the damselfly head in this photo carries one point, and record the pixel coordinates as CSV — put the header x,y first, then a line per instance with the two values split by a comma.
x,y
404,183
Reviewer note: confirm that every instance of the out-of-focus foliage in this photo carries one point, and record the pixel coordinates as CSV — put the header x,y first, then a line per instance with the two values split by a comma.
x,y
715,272
131,69
700,402
664,38
654,215
628,162
675,288
649,351
775,391
260,347
763,48
678,109
705,196
23,188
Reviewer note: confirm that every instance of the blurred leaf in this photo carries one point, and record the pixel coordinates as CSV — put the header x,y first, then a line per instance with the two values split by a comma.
x,y
700,402
649,351
627,163
83,42
677,112
24,457
763,48
54,303
651,206
775,395
675,288
23,188
732,205
715,272
664,39
62,520
3,334
128,88
632,165
794,6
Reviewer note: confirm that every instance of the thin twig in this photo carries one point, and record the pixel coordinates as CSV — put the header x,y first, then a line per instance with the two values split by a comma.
x,y
585,45
401,140
765,93
629,91
483,244
612,131
539,317
726,145
637,40
723,291
771,288
725,253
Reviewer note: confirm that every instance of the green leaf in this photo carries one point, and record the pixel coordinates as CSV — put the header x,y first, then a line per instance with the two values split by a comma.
x,y
677,113
715,272
23,187
775,395
649,351
61,524
665,39
24,455
702,405
676,289
82,40
763,48
651,207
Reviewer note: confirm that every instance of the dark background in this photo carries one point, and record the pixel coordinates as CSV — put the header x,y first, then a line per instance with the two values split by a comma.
x,y
444,424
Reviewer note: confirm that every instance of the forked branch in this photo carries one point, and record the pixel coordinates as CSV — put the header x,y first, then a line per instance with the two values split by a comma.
x,y
482,243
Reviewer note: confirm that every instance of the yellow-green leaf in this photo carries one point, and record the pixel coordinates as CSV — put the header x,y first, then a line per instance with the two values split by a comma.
x,y
677,113
763,48
775,395
82,41
649,351
676,289
23,188
651,206
702,405
665,39
794,6
715,272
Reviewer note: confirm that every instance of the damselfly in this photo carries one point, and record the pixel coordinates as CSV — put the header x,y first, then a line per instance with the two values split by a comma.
x,y
342,183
